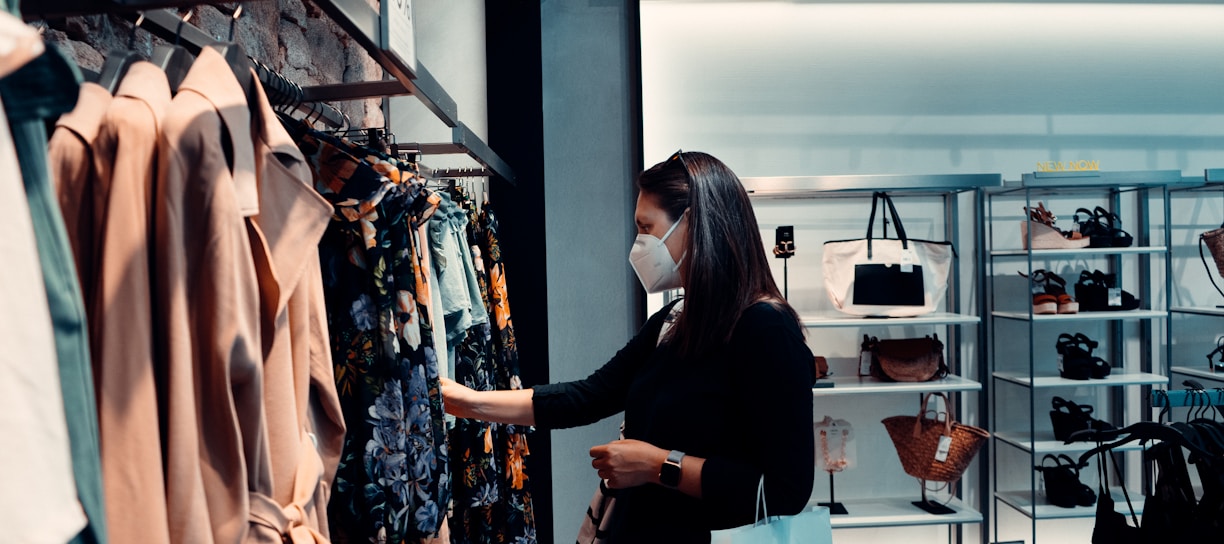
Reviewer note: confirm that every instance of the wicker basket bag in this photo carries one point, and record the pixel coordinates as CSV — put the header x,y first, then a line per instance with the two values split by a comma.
x,y
917,439
1214,240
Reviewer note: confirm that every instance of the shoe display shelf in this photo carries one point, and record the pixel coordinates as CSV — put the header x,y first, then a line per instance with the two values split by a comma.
x,y
878,494
1197,309
1061,309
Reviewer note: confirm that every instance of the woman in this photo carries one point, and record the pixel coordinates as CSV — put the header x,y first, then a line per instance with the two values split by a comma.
x,y
716,389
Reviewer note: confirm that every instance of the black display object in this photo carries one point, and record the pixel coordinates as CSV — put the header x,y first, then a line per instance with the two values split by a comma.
x,y
784,248
835,508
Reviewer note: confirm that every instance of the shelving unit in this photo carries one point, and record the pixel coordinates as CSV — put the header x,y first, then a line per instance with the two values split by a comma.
x,y
1024,367
1195,306
958,325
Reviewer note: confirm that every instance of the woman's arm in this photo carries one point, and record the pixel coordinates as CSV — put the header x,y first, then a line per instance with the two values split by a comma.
x,y
630,463
511,406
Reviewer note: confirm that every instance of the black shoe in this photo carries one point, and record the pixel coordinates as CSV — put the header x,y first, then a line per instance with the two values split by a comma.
x,y
1069,418
1062,485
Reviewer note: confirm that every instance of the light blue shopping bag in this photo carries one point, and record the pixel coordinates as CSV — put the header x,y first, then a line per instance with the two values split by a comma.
x,y
810,526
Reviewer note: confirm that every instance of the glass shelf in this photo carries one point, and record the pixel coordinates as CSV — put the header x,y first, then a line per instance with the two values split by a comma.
x,y
849,385
896,512
1080,252
1085,316
1198,373
837,319
1045,443
1198,310
1137,378
1023,502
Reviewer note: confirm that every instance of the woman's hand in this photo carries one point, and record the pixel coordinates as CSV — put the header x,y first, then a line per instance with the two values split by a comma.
x,y
457,399
628,463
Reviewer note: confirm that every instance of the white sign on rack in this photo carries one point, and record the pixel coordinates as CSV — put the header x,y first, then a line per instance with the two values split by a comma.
x,y
398,35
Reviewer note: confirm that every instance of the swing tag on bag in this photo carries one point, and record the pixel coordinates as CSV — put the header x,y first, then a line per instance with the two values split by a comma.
x,y
908,257
941,452
865,363
1115,296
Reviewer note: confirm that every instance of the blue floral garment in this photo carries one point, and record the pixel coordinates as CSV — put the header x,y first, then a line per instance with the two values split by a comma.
x,y
492,495
393,481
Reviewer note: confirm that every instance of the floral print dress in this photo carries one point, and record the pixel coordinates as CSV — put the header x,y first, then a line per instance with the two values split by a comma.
x,y
492,495
392,485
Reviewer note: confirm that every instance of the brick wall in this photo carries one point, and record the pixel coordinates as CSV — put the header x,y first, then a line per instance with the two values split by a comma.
x,y
291,36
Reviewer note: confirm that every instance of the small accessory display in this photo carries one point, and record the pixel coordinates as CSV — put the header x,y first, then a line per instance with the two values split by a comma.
x,y
1099,292
934,448
905,359
669,473
811,526
1075,358
1040,226
1102,228
1050,294
1069,418
835,452
1062,485
1214,240
784,242
1215,359
885,277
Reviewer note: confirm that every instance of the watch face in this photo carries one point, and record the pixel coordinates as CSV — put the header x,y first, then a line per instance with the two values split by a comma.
x,y
669,474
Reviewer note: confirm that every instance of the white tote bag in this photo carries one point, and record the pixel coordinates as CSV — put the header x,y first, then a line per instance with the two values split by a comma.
x,y
886,277
811,526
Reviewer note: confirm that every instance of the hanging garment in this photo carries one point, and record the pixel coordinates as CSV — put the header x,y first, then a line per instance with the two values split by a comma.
x,y
46,88
300,400
104,156
519,512
207,314
435,299
392,484
38,501
492,498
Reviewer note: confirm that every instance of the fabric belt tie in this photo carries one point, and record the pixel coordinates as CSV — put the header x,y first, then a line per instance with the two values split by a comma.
x,y
291,521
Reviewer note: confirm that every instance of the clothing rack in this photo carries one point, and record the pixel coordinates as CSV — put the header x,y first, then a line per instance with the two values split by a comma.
x,y
1188,397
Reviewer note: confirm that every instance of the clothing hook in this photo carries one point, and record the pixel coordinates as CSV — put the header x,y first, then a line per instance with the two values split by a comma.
x,y
178,33
234,20
132,38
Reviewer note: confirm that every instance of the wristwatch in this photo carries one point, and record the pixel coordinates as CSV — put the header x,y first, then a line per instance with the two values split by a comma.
x,y
669,473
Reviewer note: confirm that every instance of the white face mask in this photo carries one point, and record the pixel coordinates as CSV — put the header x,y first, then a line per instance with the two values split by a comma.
x,y
653,262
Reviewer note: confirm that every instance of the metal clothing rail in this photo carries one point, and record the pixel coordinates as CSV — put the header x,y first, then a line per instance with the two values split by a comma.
x,y
1188,397
166,24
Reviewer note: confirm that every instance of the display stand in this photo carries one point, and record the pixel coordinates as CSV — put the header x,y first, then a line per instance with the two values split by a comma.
x,y
835,508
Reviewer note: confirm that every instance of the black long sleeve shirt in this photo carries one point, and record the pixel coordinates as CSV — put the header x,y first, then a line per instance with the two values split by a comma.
x,y
746,408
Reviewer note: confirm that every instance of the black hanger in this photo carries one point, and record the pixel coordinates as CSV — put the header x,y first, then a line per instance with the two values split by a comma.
x,y
1149,430
118,62
175,60
236,57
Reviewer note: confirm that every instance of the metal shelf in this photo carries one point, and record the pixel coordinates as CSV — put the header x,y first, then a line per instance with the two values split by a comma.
x,y
1135,378
850,385
1095,179
1044,442
806,186
897,512
1198,373
1081,252
1022,501
838,319
1084,316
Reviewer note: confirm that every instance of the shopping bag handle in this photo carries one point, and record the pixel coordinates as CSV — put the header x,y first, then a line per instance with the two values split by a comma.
x,y
876,197
761,506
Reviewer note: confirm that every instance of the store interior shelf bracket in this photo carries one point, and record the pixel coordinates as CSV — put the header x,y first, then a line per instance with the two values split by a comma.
x,y
363,23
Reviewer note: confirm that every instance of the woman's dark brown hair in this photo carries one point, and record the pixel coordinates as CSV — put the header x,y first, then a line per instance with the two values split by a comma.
x,y
727,269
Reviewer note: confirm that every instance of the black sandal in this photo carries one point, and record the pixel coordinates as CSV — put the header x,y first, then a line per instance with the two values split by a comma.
x,y
1093,293
1069,418
1062,485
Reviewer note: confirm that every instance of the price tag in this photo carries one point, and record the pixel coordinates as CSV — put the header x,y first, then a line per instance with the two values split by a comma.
x,y
945,444
865,363
1038,289
1060,364
1115,296
908,258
